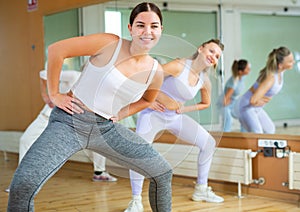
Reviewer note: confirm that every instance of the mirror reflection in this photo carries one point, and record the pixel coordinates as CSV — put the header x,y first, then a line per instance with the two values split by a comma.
x,y
249,33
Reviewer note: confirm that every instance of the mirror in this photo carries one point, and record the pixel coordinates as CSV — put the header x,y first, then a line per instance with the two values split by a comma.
x,y
247,32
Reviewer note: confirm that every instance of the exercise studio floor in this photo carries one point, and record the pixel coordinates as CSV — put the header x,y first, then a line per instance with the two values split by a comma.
x,y
72,190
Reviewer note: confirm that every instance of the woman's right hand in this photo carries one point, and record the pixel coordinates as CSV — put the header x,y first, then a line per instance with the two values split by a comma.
x,y
67,103
157,106
262,101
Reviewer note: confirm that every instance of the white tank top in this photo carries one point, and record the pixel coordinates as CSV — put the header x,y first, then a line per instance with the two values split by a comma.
x,y
105,90
179,88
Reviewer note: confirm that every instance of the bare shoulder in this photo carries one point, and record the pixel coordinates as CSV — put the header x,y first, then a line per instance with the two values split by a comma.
x,y
269,80
174,67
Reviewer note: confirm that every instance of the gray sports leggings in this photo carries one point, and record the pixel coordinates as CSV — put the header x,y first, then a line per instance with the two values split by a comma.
x,y
67,134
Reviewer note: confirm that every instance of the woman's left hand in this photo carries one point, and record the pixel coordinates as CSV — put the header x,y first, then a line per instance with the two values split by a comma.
x,y
180,110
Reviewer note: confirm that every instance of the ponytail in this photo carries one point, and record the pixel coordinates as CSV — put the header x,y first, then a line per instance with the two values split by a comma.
x,y
238,65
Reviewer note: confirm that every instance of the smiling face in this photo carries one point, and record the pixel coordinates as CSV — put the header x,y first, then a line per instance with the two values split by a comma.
x,y
287,63
210,53
146,30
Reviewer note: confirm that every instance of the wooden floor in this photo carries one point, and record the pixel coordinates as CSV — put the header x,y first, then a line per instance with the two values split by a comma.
x,y
72,190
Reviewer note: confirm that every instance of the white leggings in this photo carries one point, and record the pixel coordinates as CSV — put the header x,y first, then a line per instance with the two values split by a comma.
x,y
254,119
151,122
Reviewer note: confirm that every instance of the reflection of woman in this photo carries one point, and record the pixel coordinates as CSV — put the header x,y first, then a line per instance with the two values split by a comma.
x,y
183,80
233,87
250,110
119,80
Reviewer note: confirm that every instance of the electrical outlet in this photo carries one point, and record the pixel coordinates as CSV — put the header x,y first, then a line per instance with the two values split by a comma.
x,y
268,151
272,143
279,153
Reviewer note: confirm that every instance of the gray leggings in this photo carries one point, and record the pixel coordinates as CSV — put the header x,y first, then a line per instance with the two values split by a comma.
x,y
67,134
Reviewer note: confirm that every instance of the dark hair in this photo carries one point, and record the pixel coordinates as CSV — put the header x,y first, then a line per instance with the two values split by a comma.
x,y
238,65
274,59
144,7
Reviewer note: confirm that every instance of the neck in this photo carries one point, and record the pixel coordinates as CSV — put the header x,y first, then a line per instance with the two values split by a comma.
x,y
197,66
136,52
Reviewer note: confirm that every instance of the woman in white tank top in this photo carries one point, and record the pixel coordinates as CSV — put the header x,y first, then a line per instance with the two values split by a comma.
x,y
86,117
250,106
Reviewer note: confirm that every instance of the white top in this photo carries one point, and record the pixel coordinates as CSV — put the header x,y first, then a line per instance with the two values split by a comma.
x,y
105,90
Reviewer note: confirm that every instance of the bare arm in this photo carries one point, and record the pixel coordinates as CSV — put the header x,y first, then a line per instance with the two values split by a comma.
x,y
146,100
227,96
72,47
44,93
173,68
205,93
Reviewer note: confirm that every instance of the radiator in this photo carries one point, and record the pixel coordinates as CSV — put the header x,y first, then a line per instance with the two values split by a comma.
x,y
232,165
228,164
294,170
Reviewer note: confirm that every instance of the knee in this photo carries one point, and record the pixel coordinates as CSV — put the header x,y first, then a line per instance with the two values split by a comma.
x,y
211,143
18,184
169,173
210,147
166,176
22,182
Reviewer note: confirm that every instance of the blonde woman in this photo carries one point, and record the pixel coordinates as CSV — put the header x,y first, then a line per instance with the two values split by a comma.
x,y
250,112
184,78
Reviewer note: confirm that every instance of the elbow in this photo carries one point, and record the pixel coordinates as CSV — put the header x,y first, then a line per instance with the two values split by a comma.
x,y
51,48
54,52
51,52
204,105
146,103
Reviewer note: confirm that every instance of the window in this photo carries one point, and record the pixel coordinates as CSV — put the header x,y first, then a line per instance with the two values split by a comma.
x,y
113,22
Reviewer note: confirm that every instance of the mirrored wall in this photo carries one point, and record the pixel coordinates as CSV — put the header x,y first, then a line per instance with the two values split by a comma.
x,y
246,33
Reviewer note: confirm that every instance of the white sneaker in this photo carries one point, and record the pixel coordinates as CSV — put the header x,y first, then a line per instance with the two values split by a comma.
x,y
104,177
204,192
135,205
7,190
